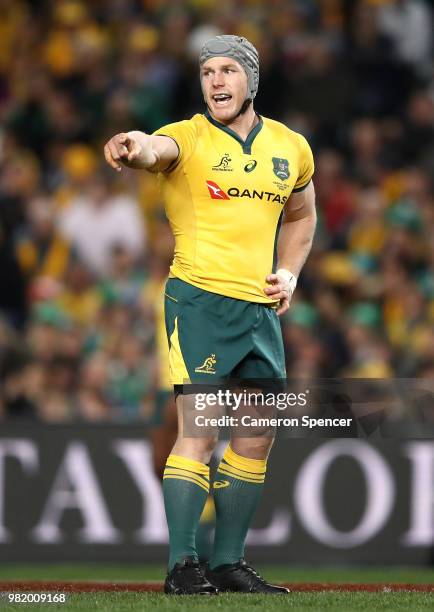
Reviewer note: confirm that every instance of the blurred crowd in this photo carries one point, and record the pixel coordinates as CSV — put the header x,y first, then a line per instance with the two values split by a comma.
x,y
84,251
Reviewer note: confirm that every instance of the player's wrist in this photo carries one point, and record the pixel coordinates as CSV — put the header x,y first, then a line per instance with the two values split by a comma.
x,y
289,277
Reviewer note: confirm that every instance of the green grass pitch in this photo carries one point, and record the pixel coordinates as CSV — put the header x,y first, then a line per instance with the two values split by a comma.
x,y
297,601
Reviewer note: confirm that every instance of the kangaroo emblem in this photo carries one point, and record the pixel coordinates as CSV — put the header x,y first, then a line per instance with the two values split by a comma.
x,y
208,365
224,163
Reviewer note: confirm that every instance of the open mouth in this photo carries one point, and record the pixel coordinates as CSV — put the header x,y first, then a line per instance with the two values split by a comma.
x,y
222,99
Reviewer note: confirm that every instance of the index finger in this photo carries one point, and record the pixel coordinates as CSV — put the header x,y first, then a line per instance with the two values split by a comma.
x,y
109,159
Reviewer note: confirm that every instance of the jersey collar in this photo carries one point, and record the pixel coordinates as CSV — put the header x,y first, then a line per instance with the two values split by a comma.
x,y
246,144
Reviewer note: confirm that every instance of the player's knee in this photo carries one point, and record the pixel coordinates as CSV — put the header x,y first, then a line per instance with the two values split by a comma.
x,y
206,445
199,449
254,448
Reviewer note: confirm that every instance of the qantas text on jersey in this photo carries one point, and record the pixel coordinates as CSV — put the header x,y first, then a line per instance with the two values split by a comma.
x,y
217,193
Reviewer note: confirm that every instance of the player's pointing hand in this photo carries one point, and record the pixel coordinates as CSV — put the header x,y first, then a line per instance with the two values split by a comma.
x,y
132,149
118,149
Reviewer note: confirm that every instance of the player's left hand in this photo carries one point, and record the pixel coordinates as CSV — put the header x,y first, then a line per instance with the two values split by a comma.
x,y
279,289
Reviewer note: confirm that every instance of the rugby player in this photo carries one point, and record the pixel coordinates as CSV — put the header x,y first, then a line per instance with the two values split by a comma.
x,y
227,178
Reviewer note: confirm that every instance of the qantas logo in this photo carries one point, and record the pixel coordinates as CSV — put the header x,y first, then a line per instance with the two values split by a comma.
x,y
216,192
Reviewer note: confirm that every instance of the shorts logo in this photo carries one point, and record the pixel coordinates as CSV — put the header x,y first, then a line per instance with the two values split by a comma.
x,y
223,165
280,168
250,166
208,365
221,484
216,192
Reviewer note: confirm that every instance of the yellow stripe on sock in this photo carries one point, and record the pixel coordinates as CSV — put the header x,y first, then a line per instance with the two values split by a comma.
x,y
208,512
204,479
188,479
247,479
188,464
196,477
240,473
255,466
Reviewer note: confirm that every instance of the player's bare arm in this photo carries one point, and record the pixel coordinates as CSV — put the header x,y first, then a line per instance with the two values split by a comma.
x,y
140,151
293,246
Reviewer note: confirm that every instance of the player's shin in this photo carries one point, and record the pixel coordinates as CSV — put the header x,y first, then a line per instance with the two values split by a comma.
x,y
237,491
185,488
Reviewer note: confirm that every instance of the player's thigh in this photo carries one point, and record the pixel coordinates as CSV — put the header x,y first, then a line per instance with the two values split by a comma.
x,y
265,362
208,334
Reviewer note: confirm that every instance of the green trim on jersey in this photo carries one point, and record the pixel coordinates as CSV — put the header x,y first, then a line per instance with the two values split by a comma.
x,y
302,188
246,144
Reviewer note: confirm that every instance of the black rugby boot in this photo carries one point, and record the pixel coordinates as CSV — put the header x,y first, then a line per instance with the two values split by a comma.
x,y
187,578
241,578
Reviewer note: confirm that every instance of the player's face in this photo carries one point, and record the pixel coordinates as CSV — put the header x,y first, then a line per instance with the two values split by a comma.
x,y
224,84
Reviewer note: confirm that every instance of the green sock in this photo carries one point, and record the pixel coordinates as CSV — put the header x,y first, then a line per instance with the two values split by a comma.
x,y
185,489
237,490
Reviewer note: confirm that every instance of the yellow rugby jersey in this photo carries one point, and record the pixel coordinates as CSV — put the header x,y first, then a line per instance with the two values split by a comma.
x,y
224,197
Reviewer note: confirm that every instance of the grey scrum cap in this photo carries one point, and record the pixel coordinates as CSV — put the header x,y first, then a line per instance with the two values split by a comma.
x,y
239,49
